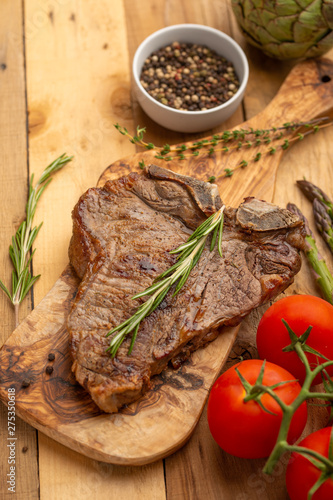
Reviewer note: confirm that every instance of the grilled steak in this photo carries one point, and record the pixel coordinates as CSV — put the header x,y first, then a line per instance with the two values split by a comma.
x,y
122,235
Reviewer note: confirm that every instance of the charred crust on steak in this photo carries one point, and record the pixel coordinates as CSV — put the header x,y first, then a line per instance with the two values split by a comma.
x,y
122,236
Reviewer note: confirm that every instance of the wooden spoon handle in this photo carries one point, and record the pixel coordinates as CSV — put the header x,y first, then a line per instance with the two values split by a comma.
x,y
306,93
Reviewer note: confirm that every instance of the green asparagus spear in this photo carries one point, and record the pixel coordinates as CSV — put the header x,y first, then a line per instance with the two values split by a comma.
x,y
320,270
313,192
323,222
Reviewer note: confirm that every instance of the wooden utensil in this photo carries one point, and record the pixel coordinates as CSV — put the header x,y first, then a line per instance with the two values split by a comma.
x,y
47,395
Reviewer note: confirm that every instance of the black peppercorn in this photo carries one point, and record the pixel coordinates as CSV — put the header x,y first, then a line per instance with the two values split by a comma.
x,y
49,369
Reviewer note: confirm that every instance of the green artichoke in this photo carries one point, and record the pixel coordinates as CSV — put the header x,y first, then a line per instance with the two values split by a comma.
x,y
287,29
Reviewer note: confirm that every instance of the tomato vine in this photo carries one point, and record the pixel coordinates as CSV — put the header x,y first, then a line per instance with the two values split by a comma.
x,y
249,391
322,463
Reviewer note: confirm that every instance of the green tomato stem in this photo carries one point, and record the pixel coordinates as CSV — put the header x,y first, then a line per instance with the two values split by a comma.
x,y
281,442
262,388
302,450
282,445
322,367
321,395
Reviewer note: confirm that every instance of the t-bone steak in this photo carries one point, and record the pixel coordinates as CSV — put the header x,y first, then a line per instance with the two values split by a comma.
x,y
122,236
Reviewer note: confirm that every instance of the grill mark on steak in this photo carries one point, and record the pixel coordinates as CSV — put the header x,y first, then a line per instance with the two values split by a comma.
x,y
122,235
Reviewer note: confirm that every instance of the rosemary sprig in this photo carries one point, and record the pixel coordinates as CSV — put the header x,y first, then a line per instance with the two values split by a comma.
x,y
189,254
228,141
22,241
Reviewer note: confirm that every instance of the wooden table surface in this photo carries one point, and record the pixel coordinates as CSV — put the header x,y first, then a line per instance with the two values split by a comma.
x,y
65,80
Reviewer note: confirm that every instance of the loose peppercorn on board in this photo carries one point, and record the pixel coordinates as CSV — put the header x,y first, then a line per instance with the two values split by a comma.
x,y
163,420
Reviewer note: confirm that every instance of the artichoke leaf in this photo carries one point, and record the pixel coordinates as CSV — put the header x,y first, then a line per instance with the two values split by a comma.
x,y
258,4
254,16
304,34
286,50
327,11
321,47
286,8
287,29
246,7
303,4
260,35
266,5
266,17
312,16
282,28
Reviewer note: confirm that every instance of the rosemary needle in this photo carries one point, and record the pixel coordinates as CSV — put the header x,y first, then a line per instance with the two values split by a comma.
x,y
189,254
22,241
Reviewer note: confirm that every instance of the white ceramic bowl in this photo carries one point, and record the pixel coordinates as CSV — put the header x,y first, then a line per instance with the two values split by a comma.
x,y
190,121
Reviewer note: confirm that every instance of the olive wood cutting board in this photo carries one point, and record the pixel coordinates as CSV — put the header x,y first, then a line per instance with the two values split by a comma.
x,y
163,420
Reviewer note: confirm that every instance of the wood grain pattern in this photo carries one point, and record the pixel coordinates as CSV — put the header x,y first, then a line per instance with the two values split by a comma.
x,y
58,406
13,191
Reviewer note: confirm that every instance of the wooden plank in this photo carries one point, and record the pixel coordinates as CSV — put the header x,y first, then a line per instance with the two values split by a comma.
x,y
13,192
65,474
78,87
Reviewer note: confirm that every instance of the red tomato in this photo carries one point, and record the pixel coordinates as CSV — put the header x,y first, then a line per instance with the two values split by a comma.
x,y
243,428
301,475
299,311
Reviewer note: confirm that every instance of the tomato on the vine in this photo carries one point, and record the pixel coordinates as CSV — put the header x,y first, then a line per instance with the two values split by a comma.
x,y
301,474
300,312
250,429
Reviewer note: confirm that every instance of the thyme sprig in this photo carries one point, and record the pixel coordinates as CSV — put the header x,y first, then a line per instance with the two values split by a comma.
x,y
20,248
274,139
189,254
